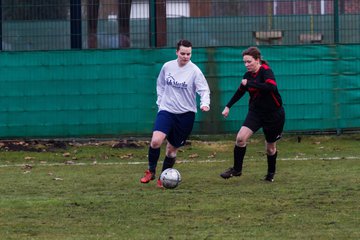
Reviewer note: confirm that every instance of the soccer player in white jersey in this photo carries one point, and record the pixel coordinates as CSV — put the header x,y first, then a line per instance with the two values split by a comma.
x,y
177,84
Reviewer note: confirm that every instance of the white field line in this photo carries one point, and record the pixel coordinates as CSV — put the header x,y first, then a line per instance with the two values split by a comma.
x,y
97,163
180,162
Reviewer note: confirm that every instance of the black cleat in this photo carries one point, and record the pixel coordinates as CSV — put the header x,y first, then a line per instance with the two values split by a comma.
x,y
269,177
231,172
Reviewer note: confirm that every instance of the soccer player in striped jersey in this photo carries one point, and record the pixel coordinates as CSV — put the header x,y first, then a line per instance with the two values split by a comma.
x,y
265,111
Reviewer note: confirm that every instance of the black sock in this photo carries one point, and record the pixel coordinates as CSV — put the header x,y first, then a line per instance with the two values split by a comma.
x,y
271,160
168,162
154,154
239,153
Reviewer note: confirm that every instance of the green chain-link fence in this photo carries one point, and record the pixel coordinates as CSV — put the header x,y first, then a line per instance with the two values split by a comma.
x,y
105,86
110,24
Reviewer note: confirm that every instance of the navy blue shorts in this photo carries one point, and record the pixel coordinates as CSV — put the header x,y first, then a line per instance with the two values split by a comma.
x,y
272,123
177,127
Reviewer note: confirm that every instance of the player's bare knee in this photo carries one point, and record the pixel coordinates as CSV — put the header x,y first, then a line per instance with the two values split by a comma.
x,y
155,143
171,154
240,142
171,151
270,151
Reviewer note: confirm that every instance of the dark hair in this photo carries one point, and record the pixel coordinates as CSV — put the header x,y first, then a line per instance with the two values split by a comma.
x,y
255,53
183,42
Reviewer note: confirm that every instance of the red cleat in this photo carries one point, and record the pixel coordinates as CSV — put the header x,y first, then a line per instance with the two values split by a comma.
x,y
159,184
148,177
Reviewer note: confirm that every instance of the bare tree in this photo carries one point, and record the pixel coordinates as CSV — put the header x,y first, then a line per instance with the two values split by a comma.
x,y
92,19
124,8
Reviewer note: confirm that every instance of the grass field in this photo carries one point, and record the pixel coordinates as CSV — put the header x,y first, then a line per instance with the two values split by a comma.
x,y
92,191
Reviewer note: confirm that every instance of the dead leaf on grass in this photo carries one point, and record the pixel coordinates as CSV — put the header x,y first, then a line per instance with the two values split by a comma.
x,y
27,166
194,155
127,156
129,143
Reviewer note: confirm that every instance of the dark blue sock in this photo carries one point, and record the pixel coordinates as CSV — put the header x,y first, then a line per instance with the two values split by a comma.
x,y
154,154
168,162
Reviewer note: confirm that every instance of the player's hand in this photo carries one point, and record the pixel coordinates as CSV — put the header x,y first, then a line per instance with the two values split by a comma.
x,y
205,108
225,112
244,82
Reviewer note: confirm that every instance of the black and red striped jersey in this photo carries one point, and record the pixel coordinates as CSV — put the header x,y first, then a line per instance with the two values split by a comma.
x,y
262,87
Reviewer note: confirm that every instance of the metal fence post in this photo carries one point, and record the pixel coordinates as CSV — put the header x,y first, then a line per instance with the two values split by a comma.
x,y
152,23
0,26
157,23
336,21
75,24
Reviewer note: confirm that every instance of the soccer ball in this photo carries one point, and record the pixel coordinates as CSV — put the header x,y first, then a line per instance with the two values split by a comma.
x,y
170,178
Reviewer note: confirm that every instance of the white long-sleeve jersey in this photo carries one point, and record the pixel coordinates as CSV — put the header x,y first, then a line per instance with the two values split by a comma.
x,y
177,87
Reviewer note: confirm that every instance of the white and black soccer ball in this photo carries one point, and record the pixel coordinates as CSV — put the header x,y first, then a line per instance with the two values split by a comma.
x,y
170,178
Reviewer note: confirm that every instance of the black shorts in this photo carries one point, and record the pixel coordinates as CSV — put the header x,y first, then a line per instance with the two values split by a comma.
x,y
272,123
